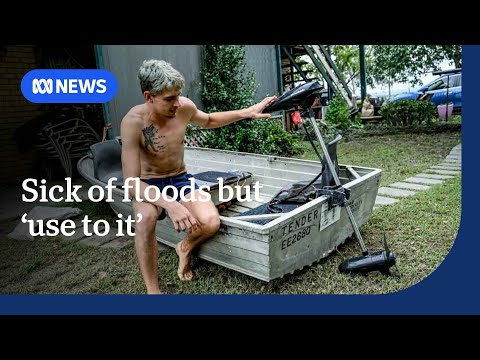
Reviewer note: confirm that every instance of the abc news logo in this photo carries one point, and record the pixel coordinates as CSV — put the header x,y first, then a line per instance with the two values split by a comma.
x,y
69,86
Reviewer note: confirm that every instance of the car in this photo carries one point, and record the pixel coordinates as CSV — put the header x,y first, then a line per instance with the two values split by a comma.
x,y
447,88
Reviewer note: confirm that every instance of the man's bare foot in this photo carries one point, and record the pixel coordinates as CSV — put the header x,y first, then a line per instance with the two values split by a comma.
x,y
184,270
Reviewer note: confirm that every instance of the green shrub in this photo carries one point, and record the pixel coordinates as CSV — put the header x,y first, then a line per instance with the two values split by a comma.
x,y
408,112
338,115
382,129
229,85
280,142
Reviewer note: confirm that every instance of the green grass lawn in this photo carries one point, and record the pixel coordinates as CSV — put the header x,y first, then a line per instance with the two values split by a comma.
x,y
399,156
420,229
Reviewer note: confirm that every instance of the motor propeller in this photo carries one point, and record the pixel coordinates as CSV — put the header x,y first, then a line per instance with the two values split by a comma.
x,y
380,260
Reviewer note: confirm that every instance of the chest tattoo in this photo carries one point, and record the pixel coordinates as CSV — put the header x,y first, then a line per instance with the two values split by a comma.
x,y
152,139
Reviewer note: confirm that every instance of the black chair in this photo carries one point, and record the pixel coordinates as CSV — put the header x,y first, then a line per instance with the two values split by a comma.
x,y
107,161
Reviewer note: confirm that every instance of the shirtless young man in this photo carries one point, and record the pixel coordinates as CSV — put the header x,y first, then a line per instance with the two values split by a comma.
x,y
152,150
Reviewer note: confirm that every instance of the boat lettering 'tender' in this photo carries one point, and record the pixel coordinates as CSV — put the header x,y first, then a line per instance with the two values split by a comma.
x,y
297,229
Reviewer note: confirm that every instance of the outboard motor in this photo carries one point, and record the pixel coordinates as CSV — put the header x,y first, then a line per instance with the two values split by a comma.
x,y
302,97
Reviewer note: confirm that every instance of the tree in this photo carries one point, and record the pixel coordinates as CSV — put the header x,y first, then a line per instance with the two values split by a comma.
x,y
347,60
228,84
407,63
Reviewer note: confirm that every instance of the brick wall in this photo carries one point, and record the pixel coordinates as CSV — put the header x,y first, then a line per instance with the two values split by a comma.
x,y
15,110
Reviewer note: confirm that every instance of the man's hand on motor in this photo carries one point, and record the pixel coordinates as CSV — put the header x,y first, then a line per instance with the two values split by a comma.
x,y
182,218
256,110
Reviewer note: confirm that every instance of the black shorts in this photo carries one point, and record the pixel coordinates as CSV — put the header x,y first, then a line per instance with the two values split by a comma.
x,y
179,182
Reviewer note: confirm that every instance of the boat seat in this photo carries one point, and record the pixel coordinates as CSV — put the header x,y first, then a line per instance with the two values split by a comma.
x,y
210,178
107,161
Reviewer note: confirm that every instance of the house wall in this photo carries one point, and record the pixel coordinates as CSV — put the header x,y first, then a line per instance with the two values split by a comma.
x,y
15,110
262,58
124,61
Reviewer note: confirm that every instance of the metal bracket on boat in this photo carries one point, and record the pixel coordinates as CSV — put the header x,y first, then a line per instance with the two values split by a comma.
x,y
337,195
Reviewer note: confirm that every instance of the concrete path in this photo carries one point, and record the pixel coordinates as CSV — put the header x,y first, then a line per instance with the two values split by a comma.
x,y
436,174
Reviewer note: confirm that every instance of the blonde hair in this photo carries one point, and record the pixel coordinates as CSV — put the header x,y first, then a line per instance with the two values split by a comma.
x,y
158,75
